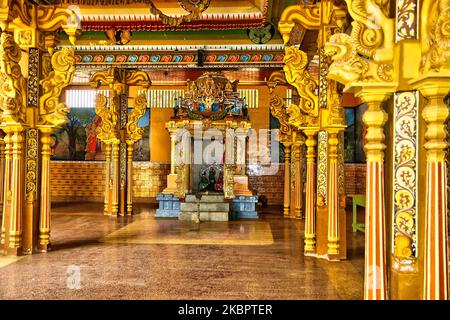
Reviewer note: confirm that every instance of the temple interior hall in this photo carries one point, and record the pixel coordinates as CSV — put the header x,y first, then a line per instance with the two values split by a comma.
x,y
231,150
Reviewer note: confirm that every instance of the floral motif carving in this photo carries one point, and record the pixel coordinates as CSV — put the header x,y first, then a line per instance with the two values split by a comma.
x,y
405,172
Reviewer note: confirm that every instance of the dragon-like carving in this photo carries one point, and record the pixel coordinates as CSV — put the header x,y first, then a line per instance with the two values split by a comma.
x,y
278,110
373,31
134,132
349,67
295,70
51,110
436,35
108,130
367,54
12,82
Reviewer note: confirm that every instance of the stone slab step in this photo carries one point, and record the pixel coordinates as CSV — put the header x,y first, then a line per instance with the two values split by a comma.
x,y
212,198
214,216
214,207
191,198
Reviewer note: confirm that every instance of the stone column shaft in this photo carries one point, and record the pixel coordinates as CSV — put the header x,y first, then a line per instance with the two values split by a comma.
x,y
17,185
44,216
298,181
333,197
287,179
310,205
130,177
115,178
6,186
107,202
375,272
435,114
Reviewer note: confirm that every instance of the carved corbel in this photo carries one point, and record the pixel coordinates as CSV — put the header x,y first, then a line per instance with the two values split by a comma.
x,y
134,132
138,77
17,12
295,70
306,16
13,84
435,36
51,111
373,31
51,18
108,130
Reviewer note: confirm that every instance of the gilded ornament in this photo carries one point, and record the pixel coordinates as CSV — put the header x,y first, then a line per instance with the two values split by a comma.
x,y
295,69
53,112
12,83
134,132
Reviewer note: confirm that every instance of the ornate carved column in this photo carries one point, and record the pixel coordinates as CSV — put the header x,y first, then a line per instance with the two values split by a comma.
x,y
333,251
2,171
133,134
45,204
298,182
240,178
115,176
435,88
310,203
6,186
287,178
375,272
15,224
129,201
108,195
172,177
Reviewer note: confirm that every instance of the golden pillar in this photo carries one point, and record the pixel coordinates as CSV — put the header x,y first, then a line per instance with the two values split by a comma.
x,y
298,182
310,205
2,171
375,272
45,203
287,178
172,177
107,202
435,113
333,251
130,145
14,234
7,185
115,176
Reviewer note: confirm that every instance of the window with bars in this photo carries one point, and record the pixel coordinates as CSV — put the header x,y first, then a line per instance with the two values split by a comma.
x,y
83,98
162,98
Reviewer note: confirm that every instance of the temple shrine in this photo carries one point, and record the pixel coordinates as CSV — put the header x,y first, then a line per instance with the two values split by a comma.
x,y
212,149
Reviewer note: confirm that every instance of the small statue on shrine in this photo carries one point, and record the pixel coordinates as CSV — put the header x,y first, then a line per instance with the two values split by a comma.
x,y
204,182
218,185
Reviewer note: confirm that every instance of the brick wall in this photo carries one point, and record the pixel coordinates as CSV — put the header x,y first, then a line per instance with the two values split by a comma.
x,y
271,186
85,180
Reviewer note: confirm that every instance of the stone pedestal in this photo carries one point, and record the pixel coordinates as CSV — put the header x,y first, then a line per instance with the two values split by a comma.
x,y
246,207
209,207
169,206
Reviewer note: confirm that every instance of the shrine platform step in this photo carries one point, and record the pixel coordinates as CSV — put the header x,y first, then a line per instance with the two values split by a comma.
x,y
204,207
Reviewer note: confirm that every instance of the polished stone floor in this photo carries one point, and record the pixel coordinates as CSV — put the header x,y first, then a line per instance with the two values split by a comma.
x,y
147,258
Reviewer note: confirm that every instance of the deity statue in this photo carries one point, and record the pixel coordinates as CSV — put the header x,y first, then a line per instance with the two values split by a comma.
x,y
204,182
